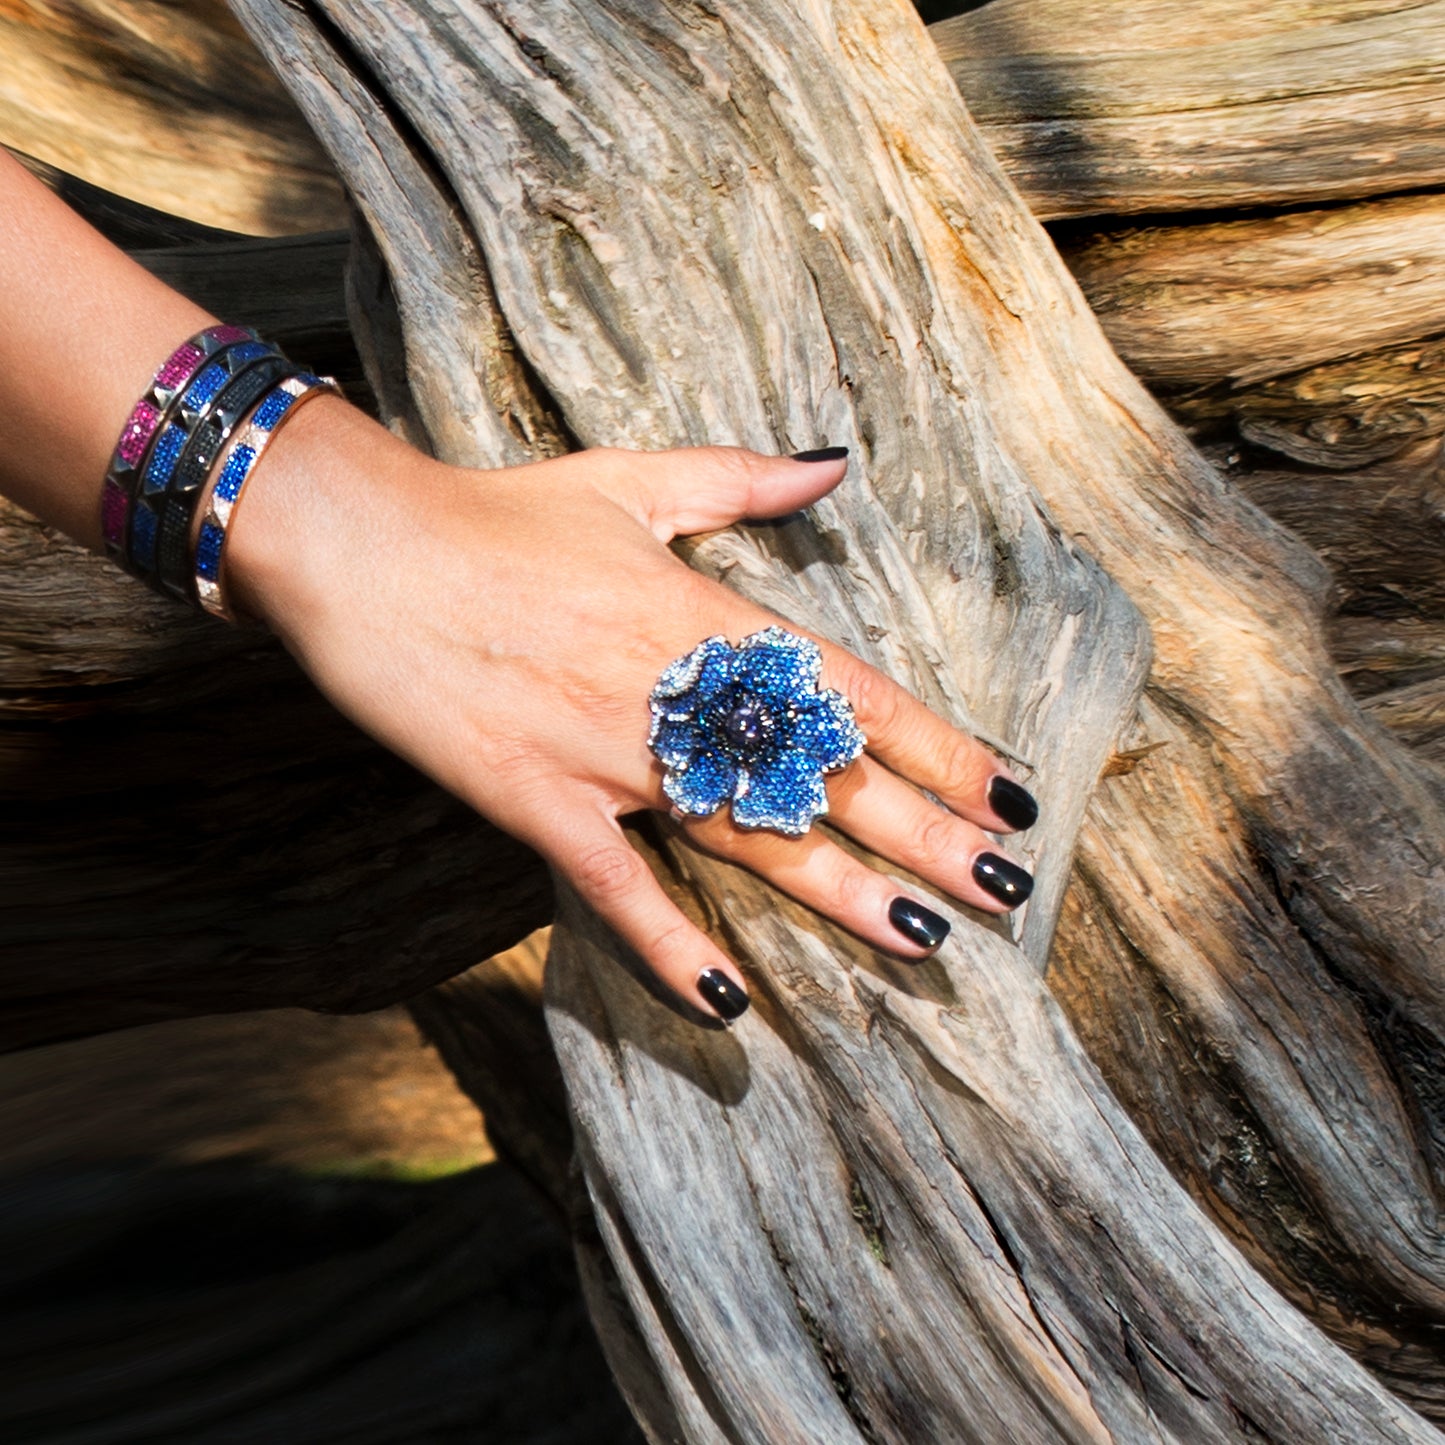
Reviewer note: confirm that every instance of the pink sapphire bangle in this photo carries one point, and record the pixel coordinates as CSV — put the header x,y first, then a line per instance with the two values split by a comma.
x,y
122,477
218,505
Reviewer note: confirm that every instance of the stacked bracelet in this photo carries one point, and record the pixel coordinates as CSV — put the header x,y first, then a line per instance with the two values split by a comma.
x,y
166,459
172,492
122,478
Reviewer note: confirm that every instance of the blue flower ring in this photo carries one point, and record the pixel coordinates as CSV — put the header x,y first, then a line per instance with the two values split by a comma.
x,y
749,724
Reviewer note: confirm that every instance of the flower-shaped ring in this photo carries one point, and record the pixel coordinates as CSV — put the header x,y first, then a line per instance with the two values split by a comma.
x,y
749,724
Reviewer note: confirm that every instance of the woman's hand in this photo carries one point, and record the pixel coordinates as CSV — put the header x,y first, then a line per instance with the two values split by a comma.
x,y
503,631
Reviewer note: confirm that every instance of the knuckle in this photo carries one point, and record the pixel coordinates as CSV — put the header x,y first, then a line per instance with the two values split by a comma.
x,y
736,472
714,834
937,841
606,872
849,891
736,461
510,760
959,771
876,700
672,941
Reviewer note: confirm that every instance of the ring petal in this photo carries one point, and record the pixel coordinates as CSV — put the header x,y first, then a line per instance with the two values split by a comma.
x,y
675,741
824,728
703,786
785,794
778,664
687,684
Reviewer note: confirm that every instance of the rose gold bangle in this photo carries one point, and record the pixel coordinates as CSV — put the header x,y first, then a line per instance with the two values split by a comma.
x,y
219,501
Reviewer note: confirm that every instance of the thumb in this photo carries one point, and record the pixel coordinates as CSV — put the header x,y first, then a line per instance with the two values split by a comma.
x,y
698,489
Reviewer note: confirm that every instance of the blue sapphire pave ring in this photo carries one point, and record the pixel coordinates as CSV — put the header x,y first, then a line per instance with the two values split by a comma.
x,y
749,725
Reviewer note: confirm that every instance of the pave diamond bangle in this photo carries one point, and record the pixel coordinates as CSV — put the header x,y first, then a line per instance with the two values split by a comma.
x,y
122,477
219,501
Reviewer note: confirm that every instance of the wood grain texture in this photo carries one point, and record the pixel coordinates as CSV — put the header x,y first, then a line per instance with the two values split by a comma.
x,y
1319,334
189,828
164,103
358,1095
1094,109
1415,713
911,1189
1339,415
1234,302
1380,530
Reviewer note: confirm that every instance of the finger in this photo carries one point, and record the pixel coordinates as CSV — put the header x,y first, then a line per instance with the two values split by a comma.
x,y
615,881
891,819
817,872
920,746
700,489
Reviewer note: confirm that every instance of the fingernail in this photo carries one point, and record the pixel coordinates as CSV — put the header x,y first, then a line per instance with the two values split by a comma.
x,y
822,454
918,924
1015,805
1006,881
722,993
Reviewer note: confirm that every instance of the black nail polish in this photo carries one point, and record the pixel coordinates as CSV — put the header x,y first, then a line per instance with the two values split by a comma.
x,y
1015,805
1006,881
918,924
822,454
722,993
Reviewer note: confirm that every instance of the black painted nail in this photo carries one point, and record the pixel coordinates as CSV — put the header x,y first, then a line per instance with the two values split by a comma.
x,y
1015,805
1006,881
722,993
918,924
822,454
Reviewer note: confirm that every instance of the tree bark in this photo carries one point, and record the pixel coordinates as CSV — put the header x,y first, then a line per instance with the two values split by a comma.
x,y
1235,302
903,1205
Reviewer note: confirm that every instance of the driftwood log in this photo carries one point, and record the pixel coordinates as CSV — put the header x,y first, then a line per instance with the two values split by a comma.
x,y
1097,109
898,1205
892,1205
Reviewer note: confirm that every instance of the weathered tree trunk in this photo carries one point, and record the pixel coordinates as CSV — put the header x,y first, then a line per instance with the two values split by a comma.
x,y
1215,316
892,1204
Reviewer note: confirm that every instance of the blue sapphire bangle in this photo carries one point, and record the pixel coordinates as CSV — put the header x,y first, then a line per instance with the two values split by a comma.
x,y
183,421
177,505
220,502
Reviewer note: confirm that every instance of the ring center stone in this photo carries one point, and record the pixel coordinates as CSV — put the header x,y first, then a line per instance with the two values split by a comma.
x,y
748,727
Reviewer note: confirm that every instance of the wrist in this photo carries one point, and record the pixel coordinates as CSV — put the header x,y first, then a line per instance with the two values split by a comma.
x,y
306,518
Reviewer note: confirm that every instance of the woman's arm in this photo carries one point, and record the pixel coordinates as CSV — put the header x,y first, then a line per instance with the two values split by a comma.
x,y
82,329
503,630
